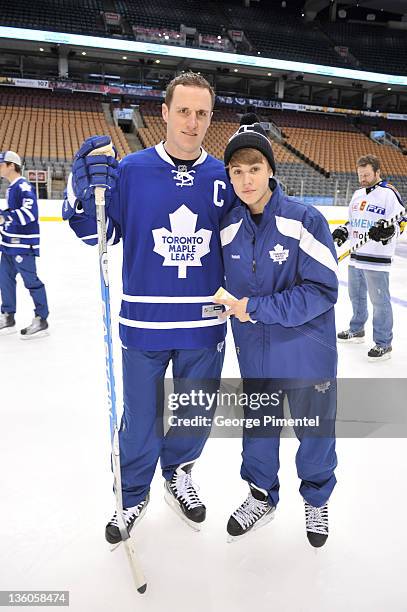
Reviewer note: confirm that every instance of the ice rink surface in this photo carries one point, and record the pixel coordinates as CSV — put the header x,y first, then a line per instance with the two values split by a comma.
x,y
55,479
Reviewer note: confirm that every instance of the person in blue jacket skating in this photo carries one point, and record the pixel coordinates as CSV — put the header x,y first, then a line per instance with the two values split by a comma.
x,y
166,204
281,268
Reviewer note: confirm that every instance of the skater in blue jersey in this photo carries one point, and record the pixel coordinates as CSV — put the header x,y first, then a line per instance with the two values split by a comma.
x,y
166,204
280,267
19,248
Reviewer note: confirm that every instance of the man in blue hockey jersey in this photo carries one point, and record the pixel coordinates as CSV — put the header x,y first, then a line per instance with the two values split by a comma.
x,y
280,266
19,246
166,203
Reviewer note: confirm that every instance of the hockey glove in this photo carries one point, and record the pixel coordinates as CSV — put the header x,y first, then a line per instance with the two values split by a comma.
x,y
71,205
378,233
90,171
340,235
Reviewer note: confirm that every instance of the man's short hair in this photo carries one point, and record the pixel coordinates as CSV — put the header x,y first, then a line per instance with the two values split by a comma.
x,y
17,168
367,160
247,156
188,79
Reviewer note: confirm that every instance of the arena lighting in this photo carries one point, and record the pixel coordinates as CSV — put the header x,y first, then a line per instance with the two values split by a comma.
x,y
216,57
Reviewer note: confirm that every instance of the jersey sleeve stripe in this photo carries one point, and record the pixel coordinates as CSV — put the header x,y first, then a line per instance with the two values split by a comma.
x,y
318,251
170,324
308,243
228,234
28,213
21,217
165,299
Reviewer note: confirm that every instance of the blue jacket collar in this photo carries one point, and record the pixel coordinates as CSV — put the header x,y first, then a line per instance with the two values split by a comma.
x,y
274,202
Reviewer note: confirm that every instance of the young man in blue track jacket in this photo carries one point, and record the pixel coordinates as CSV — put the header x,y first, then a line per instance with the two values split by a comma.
x,y
166,203
19,247
281,267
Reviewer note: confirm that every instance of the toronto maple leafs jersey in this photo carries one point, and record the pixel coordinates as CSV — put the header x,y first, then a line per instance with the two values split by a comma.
x,y
169,220
286,265
20,235
368,205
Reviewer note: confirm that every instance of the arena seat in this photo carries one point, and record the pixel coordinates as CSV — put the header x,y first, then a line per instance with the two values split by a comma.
x,y
49,127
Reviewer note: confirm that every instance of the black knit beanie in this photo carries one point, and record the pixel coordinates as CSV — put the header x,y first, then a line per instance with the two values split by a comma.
x,y
250,135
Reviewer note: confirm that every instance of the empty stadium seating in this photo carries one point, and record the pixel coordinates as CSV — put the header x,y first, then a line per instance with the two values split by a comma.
x,y
338,151
332,142
51,127
82,16
374,48
47,129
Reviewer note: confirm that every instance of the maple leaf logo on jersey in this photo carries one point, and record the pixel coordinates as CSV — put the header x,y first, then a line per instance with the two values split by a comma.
x,y
182,246
184,177
279,254
24,186
322,387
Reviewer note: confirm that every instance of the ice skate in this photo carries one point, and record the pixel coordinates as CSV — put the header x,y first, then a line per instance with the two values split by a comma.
x,y
181,495
37,329
351,337
316,524
131,517
253,513
7,324
379,353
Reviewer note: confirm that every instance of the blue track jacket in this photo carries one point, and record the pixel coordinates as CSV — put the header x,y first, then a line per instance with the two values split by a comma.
x,y
287,266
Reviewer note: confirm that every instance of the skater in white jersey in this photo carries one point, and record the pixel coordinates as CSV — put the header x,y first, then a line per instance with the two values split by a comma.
x,y
371,205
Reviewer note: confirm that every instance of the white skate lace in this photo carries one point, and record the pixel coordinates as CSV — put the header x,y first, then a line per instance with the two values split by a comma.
x,y
316,519
250,511
128,514
350,333
186,490
378,349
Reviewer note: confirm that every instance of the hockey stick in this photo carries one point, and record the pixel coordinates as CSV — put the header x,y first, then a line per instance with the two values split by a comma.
x,y
137,572
366,238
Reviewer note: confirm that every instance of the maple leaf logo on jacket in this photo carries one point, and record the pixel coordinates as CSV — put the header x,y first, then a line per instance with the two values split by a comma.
x,y
279,254
182,246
